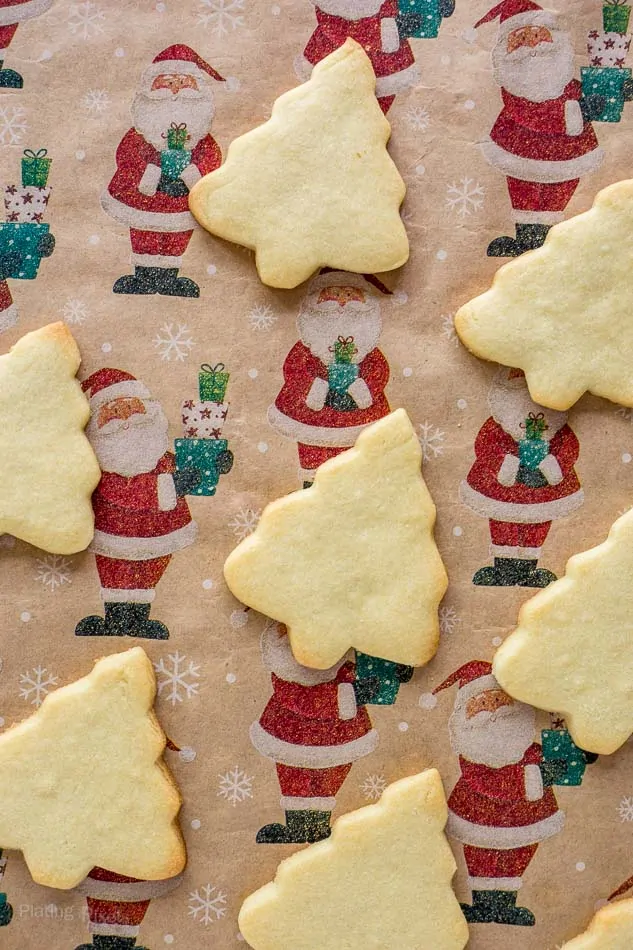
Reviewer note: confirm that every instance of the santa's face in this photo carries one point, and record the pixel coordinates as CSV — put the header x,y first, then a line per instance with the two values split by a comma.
x,y
511,406
534,62
492,729
335,312
129,435
173,98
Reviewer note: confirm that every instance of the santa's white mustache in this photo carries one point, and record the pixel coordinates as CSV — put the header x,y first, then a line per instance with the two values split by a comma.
x,y
532,52
137,421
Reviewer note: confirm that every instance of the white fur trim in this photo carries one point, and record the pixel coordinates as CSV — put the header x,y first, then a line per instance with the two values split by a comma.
x,y
127,892
519,514
503,839
143,549
8,317
190,175
166,489
114,930
524,554
389,36
495,883
290,803
476,687
537,217
146,220
360,393
129,387
182,67
529,18
317,394
313,435
533,782
552,471
574,122
149,182
346,698
348,9
278,658
509,470
311,757
118,595
531,169
397,82
155,260
24,11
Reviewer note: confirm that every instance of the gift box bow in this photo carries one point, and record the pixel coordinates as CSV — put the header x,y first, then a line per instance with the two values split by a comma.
x,y
25,203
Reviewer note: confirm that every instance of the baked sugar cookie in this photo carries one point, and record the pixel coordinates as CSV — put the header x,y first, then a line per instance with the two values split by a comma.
x,y
610,929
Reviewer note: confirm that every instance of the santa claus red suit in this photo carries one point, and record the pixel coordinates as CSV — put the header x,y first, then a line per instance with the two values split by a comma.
x,y
12,13
523,478
502,806
543,140
314,727
148,193
141,514
324,405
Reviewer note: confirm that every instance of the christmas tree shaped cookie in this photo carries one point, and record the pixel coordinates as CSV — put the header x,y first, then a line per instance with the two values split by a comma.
x,y
572,651
610,929
351,561
564,313
48,470
315,184
382,880
83,784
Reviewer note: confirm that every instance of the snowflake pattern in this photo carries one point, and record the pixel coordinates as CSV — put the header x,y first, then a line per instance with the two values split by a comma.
x,y
431,439
418,118
178,679
54,571
626,413
262,317
625,808
222,16
12,126
75,311
96,100
36,684
174,344
207,904
448,328
235,786
373,787
448,619
465,197
244,522
86,20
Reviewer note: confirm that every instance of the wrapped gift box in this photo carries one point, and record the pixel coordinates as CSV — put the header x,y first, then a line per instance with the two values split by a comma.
x,y
203,420
35,167
608,49
558,744
211,456
429,10
23,238
341,376
173,161
25,203
370,666
608,82
212,382
616,16
532,452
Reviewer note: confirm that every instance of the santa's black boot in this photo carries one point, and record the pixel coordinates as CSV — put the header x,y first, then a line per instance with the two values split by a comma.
x,y
302,827
9,79
537,576
497,907
528,237
6,911
506,572
144,280
110,942
135,622
171,285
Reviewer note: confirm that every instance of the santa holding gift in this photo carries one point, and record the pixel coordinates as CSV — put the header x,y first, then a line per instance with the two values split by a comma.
x,y
12,13
523,478
141,513
335,376
172,111
543,140
314,728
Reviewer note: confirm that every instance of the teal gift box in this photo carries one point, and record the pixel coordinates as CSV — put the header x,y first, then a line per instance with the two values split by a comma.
x,y
429,10
370,666
532,452
558,744
173,161
341,376
210,456
23,238
607,81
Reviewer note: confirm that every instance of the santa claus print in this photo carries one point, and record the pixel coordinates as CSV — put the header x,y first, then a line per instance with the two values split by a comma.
x,y
12,13
158,160
314,727
543,140
141,513
523,478
335,375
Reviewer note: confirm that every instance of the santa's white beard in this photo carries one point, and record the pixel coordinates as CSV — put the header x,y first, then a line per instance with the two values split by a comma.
x,y
536,74
154,114
133,446
510,405
494,739
321,326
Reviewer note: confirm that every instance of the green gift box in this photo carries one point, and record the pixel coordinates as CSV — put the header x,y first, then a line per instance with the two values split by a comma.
x,y
344,349
370,666
607,81
35,167
341,376
429,10
177,135
173,161
558,744
615,17
24,239
211,457
212,382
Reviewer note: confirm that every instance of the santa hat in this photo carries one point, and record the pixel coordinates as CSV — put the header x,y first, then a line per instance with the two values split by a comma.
x,y
183,60
108,384
474,678
513,14
508,377
328,277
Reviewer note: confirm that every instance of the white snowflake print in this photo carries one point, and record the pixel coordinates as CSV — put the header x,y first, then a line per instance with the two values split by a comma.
x,y
418,118
431,439
54,571
172,343
75,311
86,20
177,678
36,684
235,786
448,328
262,317
625,808
448,619
244,522
373,787
12,125
626,413
465,197
96,100
207,904
221,16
